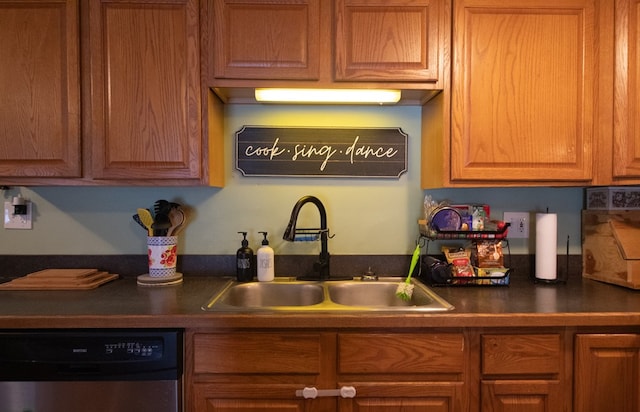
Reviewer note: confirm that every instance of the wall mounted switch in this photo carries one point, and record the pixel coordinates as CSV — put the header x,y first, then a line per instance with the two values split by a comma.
x,y
17,221
519,221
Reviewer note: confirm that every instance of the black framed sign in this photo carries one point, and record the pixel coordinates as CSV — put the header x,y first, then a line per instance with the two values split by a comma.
x,y
321,152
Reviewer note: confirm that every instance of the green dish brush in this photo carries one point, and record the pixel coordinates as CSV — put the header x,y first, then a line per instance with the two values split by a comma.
x,y
405,289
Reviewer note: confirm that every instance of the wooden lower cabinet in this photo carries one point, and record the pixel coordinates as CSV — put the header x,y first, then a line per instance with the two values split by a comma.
x,y
607,373
523,372
254,397
261,372
521,395
472,370
402,371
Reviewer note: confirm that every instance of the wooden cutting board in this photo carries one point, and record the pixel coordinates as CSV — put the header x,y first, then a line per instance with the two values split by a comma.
x,y
60,279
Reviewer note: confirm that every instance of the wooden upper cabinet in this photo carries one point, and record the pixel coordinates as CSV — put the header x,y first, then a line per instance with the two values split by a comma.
x,y
258,39
524,91
320,43
145,120
626,139
39,89
392,40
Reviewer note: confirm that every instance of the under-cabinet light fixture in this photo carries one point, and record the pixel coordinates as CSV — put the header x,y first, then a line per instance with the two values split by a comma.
x,y
351,96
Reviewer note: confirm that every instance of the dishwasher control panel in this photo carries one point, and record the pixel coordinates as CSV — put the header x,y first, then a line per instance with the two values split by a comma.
x,y
134,349
90,354
82,348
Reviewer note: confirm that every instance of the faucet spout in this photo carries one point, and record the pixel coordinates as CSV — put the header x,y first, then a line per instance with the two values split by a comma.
x,y
322,266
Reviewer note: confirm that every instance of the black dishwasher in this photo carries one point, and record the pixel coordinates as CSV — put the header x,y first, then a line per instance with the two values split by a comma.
x,y
97,370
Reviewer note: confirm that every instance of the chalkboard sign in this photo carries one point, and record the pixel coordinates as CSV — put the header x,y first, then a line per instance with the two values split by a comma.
x,y
318,152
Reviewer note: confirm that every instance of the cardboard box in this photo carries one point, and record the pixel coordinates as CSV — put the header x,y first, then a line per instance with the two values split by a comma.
x,y
611,247
613,198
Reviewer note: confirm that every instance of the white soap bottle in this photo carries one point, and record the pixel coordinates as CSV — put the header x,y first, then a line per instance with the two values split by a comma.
x,y
266,270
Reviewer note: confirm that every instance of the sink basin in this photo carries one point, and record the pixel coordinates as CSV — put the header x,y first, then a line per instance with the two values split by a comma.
x,y
377,294
288,294
272,294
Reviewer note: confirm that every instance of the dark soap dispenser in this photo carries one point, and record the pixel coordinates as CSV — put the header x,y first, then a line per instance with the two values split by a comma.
x,y
245,266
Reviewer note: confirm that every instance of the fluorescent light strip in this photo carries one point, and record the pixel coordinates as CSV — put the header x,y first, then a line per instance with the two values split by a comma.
x,y
375,96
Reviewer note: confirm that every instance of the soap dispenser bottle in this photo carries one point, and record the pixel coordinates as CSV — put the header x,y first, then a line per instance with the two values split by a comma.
x,y
265,261
245,267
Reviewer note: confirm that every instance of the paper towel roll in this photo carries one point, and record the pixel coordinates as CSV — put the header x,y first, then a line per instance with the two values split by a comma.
x,y
546,246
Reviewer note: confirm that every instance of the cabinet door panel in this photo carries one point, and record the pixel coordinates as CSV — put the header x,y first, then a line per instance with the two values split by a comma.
x,y
39,89
626,155
428,353
390,40
607,373
521,354
520,396
405,397
257,39
146,93
256,398
257,353
524,75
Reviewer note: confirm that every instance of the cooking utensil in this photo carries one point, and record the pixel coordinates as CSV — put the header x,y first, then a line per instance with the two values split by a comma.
x,y
161,207
147,220
136,218
162,222
161,225
177,218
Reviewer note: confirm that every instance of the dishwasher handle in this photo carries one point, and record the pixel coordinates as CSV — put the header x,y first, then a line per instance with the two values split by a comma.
x,y
312,392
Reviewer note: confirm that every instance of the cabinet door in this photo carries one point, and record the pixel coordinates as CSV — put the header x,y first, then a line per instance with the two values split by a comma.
x,y
255,398
524,79
145,96
521,396
392,40
626,145
261,372
403,372
607,373
266,39
39,89
405,396
522,372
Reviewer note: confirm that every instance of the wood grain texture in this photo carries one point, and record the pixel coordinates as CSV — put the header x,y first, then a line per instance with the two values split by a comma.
x,y
146,113
392,40
523,90
257,353
607,374
393,353
626,127
518,396
521,354
60,279
40,89
254,39
602,254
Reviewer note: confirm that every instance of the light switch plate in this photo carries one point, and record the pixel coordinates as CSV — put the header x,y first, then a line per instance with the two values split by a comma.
x,y
12,221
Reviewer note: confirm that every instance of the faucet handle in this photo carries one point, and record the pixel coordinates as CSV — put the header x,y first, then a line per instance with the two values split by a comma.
x,y
369,275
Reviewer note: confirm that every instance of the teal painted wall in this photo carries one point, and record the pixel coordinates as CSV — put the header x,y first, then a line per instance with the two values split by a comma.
x,y
367,216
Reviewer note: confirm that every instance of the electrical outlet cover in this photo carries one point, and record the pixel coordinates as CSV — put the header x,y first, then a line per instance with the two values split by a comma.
x,y
519,228
12,221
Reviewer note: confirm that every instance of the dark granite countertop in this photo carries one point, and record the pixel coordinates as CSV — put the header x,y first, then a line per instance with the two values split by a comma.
x,y
121,303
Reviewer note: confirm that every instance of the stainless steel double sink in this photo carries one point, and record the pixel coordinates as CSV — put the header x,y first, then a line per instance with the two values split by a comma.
x,y
288,294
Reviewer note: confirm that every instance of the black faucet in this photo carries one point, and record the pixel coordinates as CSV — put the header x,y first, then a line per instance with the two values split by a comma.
x,y
321,267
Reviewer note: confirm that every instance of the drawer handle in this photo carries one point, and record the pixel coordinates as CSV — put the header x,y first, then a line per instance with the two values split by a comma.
x,y
312,392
